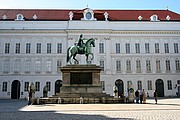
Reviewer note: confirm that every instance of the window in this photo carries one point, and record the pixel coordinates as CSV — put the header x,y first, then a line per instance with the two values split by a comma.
x,y
102,64
19,17
117,47
168,67
101,47
139,85
154,18
138,66
137,46
148,66
7,47
118,66
166,47
37,86
59,48
38,48
158,66
128,83
6,66
128,66
176,50
17,48
48,84
127,48
178,81
103,85
48,66
177,65
59,64
156,47
17,66
147,48
48,47
4,88
28,47
26,85
149,85
169,83
88,16
27,66
38,66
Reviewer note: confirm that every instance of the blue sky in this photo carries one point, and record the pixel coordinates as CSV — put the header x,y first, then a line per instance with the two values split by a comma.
x,y
173,5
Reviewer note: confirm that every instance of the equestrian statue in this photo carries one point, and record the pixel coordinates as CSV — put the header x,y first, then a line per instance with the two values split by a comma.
x,y
81,48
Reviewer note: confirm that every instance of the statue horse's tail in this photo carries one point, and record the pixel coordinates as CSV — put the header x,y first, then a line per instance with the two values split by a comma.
x,y
67,59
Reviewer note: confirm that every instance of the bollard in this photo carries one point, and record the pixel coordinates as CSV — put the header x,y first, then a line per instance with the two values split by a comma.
x,y
59,100
81,100
37,101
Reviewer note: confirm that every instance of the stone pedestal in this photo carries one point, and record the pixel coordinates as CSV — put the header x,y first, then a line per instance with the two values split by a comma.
x,y
80,80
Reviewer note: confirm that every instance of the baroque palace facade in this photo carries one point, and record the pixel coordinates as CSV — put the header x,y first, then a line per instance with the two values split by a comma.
x,y
141,46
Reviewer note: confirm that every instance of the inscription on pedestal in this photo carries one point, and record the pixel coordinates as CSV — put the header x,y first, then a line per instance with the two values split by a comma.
x,y
81,78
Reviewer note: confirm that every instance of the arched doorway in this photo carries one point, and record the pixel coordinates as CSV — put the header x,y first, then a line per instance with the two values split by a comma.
x,y
15,89
120,86
58,84
160,87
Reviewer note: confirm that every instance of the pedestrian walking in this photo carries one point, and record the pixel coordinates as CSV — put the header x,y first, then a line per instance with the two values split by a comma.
x,y
137,96
155,96
141,96
144,96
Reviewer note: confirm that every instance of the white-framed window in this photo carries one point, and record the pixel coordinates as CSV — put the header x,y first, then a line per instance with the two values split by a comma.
x,y
17,49
37,66
101,47
118,48
177,63
139,83
158,66
6,66
4,88
166,47
149,82
169,83
138,66
48,84
137,46
48,47
48,66
38,48
28,47
26,85
27,66
148,66
154,18
17,66
59,47
128,66
156,47
59,64
147,50
102,64
118,66
168,65
37,86
176,50
128,48
7,47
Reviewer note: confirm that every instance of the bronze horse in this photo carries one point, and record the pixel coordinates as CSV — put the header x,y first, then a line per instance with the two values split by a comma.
x,y
74,50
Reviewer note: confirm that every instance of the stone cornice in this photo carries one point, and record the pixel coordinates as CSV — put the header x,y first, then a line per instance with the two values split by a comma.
x,y
48,31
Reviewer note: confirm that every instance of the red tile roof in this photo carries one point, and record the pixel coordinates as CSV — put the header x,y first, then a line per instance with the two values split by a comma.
x,y
63,15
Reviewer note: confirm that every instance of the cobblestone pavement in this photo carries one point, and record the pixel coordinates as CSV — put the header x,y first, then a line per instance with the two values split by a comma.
x,y
166,109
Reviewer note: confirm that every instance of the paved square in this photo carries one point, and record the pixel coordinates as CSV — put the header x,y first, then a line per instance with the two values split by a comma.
x,y
166,109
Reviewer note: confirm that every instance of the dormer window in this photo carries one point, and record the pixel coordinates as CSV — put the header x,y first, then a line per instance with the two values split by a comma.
x,y
19,17
168,17
35,17
88,14
4,17
140,17
154,18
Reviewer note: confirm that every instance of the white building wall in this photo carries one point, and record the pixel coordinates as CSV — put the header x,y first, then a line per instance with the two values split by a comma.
x,y
109,33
